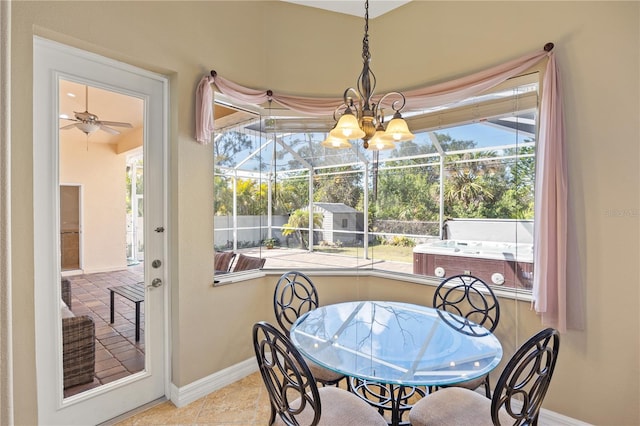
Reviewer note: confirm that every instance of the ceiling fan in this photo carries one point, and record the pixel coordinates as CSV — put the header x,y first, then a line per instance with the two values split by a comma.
x,y
88,122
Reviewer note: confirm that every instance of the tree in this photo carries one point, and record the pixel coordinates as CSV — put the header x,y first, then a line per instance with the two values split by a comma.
x,y
291,194
406,194
336,186
513,185
466,191
228,145
223,196
298,225
251,196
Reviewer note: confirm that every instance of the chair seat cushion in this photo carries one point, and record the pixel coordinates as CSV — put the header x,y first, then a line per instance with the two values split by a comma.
x,y
65,312
455,407
322,374
469,384
340,407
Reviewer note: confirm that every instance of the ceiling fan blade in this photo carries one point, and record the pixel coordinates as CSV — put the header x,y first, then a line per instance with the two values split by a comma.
x,y
69,126
117,123
109,129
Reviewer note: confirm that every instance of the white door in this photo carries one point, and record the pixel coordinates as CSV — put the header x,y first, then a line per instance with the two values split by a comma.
x,y
53,63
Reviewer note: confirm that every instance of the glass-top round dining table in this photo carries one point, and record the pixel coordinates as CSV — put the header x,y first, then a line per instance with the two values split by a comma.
x,y
398,344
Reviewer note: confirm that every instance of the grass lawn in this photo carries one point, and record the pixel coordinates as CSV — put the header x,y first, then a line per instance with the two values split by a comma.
x,y
386,252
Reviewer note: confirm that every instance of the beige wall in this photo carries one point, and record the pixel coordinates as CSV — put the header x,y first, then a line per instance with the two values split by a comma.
x,y
293,49
101,173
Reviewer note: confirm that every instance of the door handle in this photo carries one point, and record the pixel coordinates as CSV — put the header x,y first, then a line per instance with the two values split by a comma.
x,y
157,282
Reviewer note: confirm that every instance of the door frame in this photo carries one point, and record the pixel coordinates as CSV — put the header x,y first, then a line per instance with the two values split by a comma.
x,y
113,399
80,225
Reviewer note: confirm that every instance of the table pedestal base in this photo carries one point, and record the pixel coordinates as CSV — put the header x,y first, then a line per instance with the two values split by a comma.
x,y
391,401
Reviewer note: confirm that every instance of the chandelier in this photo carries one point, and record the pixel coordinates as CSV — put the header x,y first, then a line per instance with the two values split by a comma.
x,y
363,117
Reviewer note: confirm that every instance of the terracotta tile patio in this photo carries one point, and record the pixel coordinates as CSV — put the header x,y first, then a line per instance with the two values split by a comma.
x,y
117,353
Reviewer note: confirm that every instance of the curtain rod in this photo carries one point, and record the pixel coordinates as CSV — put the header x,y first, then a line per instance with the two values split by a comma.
x,y
547,48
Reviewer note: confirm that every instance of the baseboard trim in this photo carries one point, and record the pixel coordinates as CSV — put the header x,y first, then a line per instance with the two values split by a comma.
x,y
202,387
548,417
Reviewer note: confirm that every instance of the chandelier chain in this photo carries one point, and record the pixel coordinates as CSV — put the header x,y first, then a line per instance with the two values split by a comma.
x,y
366,56
364,118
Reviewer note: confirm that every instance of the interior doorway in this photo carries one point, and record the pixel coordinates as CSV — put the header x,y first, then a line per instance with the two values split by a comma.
x,y
135,208
70,227
74,145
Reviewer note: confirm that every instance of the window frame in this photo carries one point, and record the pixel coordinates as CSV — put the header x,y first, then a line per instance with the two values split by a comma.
x,y
434,120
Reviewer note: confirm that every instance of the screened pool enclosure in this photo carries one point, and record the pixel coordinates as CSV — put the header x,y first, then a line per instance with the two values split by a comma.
x,y
458,194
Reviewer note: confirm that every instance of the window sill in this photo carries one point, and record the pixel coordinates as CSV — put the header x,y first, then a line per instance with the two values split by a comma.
x,y
234,277
221,280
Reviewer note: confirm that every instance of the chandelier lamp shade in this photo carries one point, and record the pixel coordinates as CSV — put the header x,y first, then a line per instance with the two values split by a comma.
x,y
336,142
363,117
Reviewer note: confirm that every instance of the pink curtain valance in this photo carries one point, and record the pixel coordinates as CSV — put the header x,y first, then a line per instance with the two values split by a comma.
x,y
430,96
550,233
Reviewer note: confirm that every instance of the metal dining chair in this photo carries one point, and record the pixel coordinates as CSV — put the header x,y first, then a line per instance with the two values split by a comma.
x,y
294,295
516,400
293,393
472,299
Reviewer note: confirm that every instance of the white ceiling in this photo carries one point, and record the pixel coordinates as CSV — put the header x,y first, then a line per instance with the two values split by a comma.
x,y
112,106
353,7
107,105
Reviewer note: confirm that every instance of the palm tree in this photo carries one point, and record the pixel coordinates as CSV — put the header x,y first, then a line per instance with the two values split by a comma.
x,y
465,188
298,223
465,184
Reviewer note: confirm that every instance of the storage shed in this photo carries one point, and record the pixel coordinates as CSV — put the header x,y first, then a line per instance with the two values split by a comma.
x,y
340,223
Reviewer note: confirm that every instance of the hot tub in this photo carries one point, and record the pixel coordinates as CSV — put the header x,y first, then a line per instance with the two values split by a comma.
x,y
496,263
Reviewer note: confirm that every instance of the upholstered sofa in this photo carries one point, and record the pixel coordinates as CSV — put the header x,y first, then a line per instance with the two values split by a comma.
x,y
78,343
245,263
224,262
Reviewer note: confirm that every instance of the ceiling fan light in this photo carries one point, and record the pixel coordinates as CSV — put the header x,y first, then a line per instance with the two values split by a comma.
x,y
88,127
347,127
398,131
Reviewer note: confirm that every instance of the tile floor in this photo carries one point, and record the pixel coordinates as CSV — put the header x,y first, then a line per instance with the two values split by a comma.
x,y
244,402
117,353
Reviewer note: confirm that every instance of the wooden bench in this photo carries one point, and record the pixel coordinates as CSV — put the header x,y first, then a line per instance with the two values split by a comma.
x,y
134,293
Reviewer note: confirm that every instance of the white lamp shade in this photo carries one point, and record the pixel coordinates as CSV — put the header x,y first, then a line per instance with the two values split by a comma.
x,y
347,128
88,127
378,143
398,131
336,143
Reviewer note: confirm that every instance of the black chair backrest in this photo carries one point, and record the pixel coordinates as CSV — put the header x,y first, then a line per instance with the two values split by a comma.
x,y
294,295
470,298
526,378
291,386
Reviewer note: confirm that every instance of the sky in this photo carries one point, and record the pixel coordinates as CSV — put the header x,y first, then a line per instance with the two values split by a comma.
x,y
484,135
